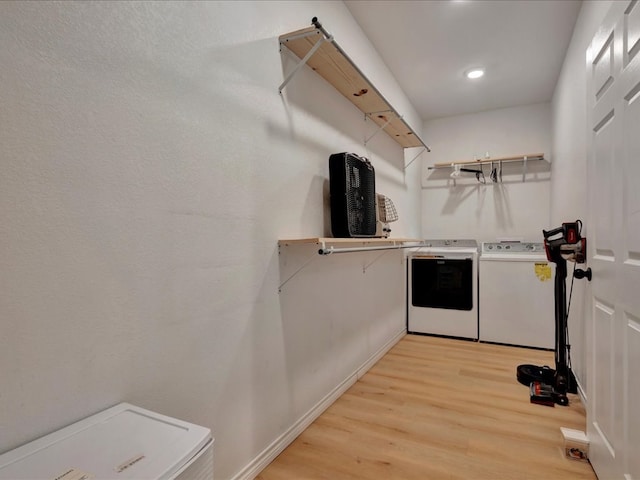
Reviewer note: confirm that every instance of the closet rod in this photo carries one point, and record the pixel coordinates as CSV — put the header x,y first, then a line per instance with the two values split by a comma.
x,y
331,250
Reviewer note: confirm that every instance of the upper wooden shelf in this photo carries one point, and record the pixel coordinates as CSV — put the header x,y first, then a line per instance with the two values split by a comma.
x,y
333,64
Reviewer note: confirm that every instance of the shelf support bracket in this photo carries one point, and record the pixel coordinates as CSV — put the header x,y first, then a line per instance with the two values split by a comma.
x,y
309,260
364,268
379,130
303,62
415,158
524,168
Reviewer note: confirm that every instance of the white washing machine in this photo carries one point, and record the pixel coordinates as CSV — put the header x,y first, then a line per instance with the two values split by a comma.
x,y
124,442
442,296
516,295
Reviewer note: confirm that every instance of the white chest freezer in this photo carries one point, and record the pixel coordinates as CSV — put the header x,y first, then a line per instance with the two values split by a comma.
x,y
123,442
516,295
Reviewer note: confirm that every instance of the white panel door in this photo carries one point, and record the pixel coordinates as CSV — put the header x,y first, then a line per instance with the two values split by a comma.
x,y
613,410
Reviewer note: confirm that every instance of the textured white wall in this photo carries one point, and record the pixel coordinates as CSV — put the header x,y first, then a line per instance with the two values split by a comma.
x,y
490,211
569,170
149,168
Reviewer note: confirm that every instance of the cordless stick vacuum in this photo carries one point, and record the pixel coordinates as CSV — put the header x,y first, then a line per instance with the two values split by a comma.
x,y
549,386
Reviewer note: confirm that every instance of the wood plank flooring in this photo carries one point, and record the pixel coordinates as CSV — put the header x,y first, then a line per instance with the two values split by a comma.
x,y
436,408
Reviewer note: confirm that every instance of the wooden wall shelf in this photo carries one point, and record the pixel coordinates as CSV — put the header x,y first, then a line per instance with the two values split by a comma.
x,y
496,163
348,245
325,246
315,47
351,241
487,161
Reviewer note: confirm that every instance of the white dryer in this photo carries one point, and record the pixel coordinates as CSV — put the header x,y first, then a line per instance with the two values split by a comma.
x,y
442,296
516,295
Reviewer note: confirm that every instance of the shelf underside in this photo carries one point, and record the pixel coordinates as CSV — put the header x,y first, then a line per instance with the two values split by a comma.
x,y
331,63
336,241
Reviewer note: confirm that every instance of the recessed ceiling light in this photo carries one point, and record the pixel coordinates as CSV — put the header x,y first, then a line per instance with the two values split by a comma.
x,y
474,73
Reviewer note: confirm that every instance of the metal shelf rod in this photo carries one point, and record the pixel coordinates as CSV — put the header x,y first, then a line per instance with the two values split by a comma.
x,y
331,250
415,158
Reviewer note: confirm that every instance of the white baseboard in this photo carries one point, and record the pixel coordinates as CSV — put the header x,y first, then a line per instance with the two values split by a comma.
x,y
265,457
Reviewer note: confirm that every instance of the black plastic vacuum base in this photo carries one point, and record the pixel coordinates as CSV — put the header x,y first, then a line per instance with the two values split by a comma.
x,y
532,373
544,378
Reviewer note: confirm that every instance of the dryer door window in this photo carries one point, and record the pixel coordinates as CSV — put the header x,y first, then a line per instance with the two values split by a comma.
x,y
442,283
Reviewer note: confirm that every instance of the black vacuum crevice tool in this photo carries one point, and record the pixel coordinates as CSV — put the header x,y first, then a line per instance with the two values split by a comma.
x,y
561,244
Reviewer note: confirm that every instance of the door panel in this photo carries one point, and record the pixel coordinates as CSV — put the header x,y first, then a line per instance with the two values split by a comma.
x,y
632,208
603,68
632,30
631,105
604,403
603,150
632,434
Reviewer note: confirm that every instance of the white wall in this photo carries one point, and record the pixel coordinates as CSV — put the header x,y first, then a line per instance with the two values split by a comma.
x,y
149,168
486,212
569,169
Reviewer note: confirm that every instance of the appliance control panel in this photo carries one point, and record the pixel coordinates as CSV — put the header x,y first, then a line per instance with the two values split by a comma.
x,y
513,247
442,243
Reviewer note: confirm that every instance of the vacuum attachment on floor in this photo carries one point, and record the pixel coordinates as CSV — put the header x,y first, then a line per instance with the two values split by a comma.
x,y
540,381
542,394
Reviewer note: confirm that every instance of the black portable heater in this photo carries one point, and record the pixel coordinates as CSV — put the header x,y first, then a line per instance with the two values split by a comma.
x,y
550,386
352,189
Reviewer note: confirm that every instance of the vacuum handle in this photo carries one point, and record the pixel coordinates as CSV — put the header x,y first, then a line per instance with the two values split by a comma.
x,y
550,233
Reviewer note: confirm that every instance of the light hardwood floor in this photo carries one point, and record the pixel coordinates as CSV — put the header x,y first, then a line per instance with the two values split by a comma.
x,y
435,408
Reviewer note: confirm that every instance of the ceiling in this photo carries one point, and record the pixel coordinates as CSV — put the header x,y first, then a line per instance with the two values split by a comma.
x,y
429,44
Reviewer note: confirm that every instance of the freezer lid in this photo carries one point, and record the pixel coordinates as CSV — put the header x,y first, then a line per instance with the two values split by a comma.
x,y
507,248
124,442
514,257
451,243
